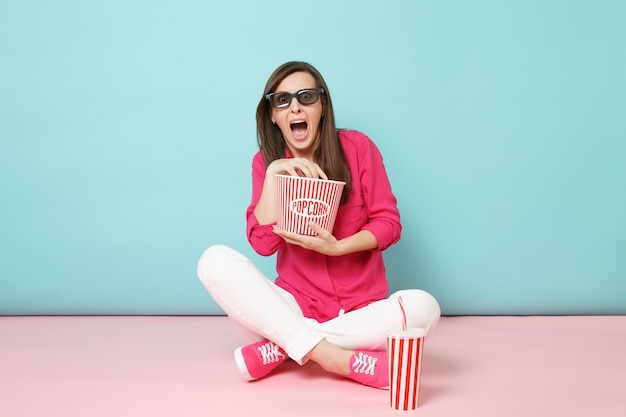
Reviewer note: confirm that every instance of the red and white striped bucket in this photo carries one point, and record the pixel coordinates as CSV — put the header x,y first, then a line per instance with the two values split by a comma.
x,y
405,350
301,200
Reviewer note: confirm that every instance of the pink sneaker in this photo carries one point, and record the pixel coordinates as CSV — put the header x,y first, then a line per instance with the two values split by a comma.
x,y
370,368
258,359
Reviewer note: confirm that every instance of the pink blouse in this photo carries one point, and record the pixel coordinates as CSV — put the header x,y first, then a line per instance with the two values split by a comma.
x,y
325,285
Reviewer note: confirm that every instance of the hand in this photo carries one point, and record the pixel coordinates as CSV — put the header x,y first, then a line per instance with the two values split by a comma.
x,y
324,242
299,167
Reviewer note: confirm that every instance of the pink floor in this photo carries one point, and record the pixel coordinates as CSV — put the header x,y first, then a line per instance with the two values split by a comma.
x,y
183,366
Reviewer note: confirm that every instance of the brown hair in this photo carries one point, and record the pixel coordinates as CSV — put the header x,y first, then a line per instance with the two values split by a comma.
x,y
328,151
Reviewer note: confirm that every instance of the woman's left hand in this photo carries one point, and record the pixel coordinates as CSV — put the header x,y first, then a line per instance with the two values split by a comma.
x,y
324,242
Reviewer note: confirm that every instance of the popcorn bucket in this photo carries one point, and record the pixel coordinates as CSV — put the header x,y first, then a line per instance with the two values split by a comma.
x,y
301,200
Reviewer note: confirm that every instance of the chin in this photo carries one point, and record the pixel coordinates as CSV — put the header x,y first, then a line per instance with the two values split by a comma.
x,y
301,145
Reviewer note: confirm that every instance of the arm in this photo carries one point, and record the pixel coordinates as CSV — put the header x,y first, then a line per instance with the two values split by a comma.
x,y
382,208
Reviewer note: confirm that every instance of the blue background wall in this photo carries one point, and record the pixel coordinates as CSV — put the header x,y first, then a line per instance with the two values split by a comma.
x,y
127,131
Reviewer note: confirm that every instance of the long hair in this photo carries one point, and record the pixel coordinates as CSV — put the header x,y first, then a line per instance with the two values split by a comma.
x,y
328,152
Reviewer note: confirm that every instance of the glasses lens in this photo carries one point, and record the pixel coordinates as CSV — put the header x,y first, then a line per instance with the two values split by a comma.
x,y
307,96
280,99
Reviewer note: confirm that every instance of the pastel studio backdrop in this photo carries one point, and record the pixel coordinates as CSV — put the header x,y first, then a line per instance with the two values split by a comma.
x,y
127,131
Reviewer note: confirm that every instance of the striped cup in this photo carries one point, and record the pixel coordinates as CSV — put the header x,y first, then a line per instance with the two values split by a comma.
x,y
405,350
301,200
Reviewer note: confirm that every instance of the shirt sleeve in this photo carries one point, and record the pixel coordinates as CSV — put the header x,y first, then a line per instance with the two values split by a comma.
x,y
382,209
261,237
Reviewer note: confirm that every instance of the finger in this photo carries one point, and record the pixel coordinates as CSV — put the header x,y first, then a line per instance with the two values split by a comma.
x,y
288,236
311,169
298,167
279,232
295,172
319,230
321,174
316,171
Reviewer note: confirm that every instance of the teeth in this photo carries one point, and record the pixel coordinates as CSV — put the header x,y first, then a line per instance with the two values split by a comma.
x,y
297,121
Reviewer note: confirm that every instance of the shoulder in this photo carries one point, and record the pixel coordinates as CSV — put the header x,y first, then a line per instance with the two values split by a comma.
x,y
258,158
258,163
353,137
356,142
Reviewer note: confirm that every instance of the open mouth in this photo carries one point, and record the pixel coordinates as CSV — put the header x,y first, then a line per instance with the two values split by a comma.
x,y
298,129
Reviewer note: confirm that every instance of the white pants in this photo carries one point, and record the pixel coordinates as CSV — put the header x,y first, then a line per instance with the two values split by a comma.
x,y
266,311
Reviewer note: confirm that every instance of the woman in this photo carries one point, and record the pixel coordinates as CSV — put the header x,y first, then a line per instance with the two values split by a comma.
x,y
329,301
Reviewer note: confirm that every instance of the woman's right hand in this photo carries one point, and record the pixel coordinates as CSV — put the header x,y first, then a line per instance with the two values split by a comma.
x,y
300,167
265,210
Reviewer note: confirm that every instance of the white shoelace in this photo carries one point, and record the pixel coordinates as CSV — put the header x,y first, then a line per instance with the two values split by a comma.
x,y
270,353
364,364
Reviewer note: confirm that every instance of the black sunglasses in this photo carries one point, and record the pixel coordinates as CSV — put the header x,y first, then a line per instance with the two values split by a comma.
x,y
306,97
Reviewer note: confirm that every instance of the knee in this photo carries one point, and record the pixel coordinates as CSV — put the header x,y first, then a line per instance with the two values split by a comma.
x,y
421,307
213,264
418,299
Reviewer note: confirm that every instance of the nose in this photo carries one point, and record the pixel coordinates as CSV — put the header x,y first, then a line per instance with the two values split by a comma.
x,y
295,105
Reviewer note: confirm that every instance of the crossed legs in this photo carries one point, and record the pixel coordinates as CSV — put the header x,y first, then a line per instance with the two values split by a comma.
x,y
267,312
